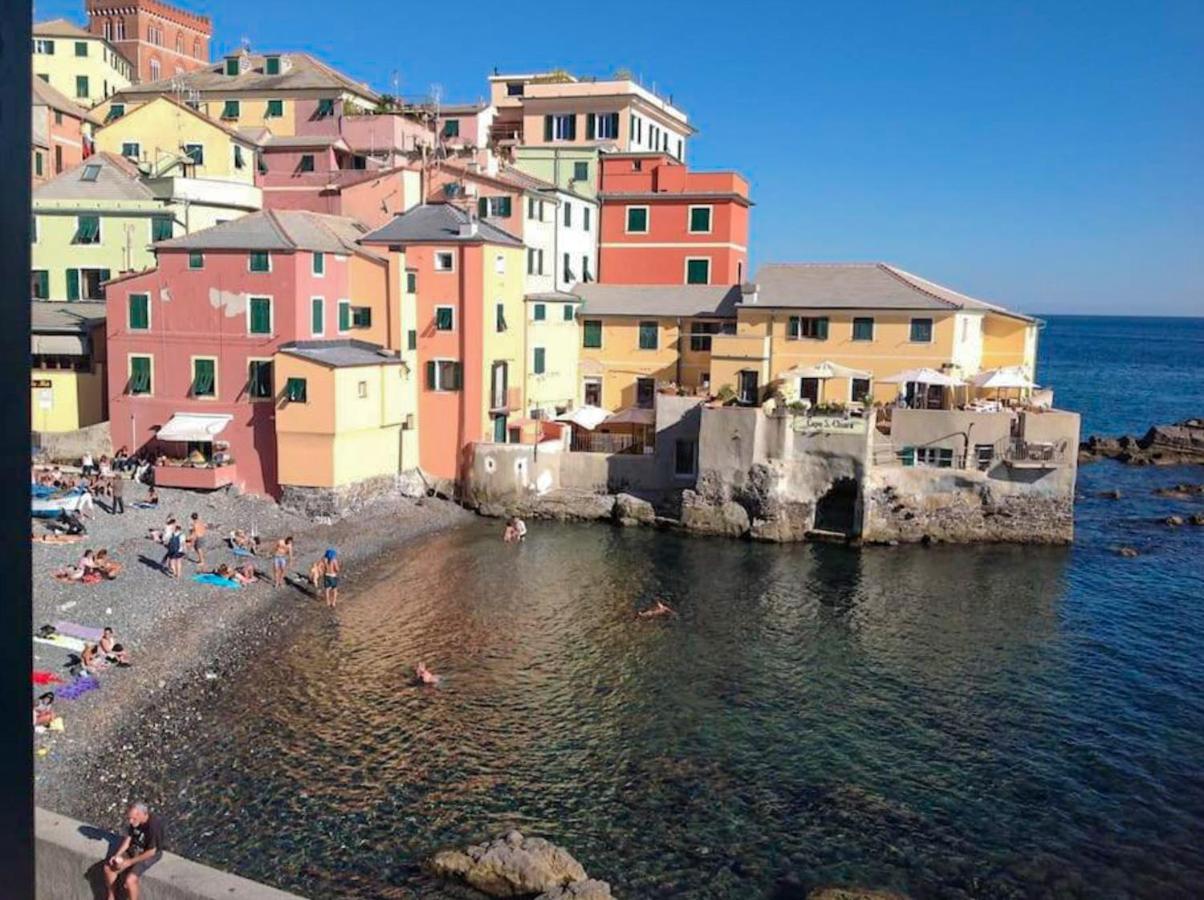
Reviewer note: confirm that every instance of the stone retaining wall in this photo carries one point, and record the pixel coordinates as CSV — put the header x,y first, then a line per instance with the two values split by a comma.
x,y
338,502
69,855
70,446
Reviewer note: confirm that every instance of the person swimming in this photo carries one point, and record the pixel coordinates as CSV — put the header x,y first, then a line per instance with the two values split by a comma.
x,y
656,610
425,675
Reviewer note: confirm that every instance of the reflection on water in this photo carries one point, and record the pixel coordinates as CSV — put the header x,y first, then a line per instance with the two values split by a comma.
x,y
987,722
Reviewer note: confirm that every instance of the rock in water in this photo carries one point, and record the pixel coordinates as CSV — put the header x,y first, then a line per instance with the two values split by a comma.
x,y
631,510
1173,521
852,893
590,889
514,866
1128,552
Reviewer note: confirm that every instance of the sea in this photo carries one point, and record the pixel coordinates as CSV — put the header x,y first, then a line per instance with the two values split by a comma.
x,y
944,721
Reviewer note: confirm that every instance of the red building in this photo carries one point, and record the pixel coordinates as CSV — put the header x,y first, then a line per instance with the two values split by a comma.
x,y
158,39
660,223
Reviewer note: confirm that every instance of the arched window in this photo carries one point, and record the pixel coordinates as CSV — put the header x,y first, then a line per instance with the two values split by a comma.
x,y
121,29
179,43
108,29
154,70
196,48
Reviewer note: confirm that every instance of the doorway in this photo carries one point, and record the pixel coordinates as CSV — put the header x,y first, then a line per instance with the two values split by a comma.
x,y
748,388
808,389
836,511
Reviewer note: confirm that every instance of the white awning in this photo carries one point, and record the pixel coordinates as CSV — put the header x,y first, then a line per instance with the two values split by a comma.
x,y
825,370
185,427
58,344
1006,377
923,376
587,417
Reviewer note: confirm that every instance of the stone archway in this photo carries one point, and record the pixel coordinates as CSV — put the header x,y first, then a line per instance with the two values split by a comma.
x,y
836,511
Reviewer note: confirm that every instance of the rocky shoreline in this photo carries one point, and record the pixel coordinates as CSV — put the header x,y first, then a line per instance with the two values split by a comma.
x,y
1163,445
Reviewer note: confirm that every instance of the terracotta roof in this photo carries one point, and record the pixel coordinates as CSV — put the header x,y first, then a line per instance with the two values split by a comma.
x,y
276,229
658,299
116,179
438,223
45,95
522,179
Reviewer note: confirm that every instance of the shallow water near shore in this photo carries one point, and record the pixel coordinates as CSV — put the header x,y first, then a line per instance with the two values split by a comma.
x,y
949,721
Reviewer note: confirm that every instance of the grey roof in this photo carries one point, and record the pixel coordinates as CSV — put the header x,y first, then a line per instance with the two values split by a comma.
x,y
118,179
659,299
343,353
552,297
438,223
58,317
304,72
857,286
45,95
62,28
276,229
282,141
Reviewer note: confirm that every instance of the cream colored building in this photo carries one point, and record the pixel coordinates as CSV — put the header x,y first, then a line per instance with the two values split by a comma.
x,y
81,65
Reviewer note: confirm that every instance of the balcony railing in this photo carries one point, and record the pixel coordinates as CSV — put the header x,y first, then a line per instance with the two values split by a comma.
x,y
588,442
1024,454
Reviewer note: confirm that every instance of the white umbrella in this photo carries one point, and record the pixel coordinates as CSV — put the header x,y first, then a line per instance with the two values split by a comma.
x,y
587,417
1005,377
923,375
824,370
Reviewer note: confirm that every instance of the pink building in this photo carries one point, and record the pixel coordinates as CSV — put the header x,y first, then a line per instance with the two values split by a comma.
x,y
61,132
196,336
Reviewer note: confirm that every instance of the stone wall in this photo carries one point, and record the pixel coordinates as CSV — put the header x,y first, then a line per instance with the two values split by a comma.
x,y
69,855
337,502
70,446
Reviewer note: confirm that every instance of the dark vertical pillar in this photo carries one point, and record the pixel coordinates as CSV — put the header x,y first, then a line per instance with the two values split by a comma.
x,y
16,607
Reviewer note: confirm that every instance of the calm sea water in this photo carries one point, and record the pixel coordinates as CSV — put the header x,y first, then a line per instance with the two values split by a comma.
x,y
947,721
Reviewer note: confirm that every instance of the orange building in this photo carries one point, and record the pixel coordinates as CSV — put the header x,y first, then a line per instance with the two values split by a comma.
x,y
159,39
663,224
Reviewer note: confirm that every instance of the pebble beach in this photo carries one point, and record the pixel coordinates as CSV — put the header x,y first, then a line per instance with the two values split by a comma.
x,y
183,634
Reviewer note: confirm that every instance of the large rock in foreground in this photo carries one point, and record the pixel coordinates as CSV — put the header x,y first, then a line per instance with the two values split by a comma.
x,y
853,893
517,866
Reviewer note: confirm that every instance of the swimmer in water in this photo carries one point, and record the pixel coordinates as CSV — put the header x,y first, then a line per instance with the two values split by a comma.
x,y
656,610
425,675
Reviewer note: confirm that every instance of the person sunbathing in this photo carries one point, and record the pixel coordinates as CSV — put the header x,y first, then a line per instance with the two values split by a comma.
x,y
113,651
91,660
56,538
85,565
425,675
244,574
105,566
657,609
242,540
43,710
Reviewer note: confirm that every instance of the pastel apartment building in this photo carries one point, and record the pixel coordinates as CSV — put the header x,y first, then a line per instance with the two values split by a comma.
x,y
158,39
77,63
67,368
196,345
61,132
663,224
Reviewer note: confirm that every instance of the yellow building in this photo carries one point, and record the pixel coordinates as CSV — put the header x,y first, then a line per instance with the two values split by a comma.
x,y
502,281
67,366
343,413
636,338
79,64
164,136
553,353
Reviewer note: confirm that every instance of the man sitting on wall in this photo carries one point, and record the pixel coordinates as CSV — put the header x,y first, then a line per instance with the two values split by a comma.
x,y
141,849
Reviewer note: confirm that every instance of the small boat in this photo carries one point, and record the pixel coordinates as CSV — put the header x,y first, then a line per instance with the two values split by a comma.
x,y
48,507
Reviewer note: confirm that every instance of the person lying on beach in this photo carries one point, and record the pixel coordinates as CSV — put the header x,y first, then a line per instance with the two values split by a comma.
x,y
245,574
425,675
83,566
56,538
43,710
152,497
110,569
242,540
657,609
113,651
162,535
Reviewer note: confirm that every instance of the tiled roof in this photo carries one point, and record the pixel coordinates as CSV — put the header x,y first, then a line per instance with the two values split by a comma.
x,y
239,135
45,95
55,316
342,353
292,141
276,229
61,28
438,222
117,179
523,180
658,299
304,72
857,286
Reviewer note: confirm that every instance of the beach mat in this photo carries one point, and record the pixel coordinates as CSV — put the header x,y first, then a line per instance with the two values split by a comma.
x,y
239,551
74,629
43,676
62,642
216,581
81,685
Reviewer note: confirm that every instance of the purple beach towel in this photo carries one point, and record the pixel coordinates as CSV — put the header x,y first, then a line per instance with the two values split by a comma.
x,y
74,629
81,685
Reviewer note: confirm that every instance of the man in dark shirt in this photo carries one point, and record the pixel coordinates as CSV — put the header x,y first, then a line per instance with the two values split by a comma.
x,y
118,487
141,849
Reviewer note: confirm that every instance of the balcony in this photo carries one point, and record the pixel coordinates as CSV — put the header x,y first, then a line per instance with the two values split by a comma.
x,y
506,401
196,478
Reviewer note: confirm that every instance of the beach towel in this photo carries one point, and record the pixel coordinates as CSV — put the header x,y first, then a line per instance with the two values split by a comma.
x,y
81,685
239,551
74,629
216,581
142,504
62,641
41,676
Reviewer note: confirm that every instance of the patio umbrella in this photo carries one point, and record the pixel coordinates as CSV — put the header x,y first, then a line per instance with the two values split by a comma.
x,y
923,375
1004,377
587,417
633,415
825,370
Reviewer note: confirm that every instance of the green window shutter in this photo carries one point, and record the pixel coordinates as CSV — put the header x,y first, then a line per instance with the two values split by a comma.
x,y
41,284
444,318
573,127
592,334
547,128
260,262
81,48
73,284
140,375
139,312
793,327
275,109
637,219
411,339
539,312
37,164
232,66
261,315
430,376
483,207
568,312
457,372
500,318
317,316
296,390
580,171
81,85
319,263
344,316
325,107
821,328
271,65
307,163
259,384
161,228
230,110
698,271
700,219
202,377
504,207
539,360
105,275
863,329
411,282
591,126
196,259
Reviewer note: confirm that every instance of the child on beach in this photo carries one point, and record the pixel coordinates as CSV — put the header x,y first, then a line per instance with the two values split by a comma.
x,y
425,675
43,710
105,566
330,577
655,611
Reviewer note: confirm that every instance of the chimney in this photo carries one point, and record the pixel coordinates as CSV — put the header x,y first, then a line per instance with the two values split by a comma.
x,y
748,292
469,228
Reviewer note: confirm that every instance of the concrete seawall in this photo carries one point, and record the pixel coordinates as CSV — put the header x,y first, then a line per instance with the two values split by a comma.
x,y
69,853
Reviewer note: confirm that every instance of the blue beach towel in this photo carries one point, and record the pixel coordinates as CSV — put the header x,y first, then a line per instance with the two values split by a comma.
x,y
216,581
239,551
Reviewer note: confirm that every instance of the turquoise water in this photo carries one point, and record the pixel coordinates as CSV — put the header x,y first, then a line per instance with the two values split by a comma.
x,y
994,722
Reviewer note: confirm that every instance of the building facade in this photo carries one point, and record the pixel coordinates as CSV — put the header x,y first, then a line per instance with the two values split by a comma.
x,y
158,39
68,359
77,63
61,132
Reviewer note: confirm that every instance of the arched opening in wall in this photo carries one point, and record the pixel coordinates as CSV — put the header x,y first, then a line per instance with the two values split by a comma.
x,y
836,511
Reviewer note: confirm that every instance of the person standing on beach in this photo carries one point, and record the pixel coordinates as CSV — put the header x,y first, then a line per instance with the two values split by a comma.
x,y
196,537
330,578
280,560
175,550
117,486
141,849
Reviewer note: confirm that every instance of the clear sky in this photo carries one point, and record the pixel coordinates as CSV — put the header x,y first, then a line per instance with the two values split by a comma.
x,y
1049,156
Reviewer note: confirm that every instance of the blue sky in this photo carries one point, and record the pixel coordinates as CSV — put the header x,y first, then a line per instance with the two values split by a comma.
x,y
1047,156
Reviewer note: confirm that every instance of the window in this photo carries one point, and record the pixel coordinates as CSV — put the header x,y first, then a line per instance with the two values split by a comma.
x,y
700,220
863,329
81,86
204,377
41,45
499,318
58,117
154,69
591,334
33,228
232,66
37,163
259,379
539,312
231,109
161,228
747,390
451,128
568,215
259,315
239,162
81,48
861,390
514,88
921,331
325,108
275,109
679,148
139,312
568,268
539,360
698,271
87,228
40,284
494,207
361,389
344,315
604,127
271,65
530,260
585,211
700,335
411,282
412,339
307,163
319,263
445,318
260,261
85,284
444,262
585,273
530,207
569,312
648,336
442,375
179,43
580,171
592,391
196,259
539,268
196,48
645,392
683,457
807,327
295,390
984,456
560,128
361,317
140,375
934,457
90,173
131,150
637,220
195,152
